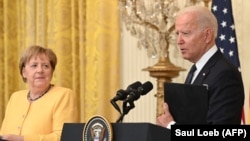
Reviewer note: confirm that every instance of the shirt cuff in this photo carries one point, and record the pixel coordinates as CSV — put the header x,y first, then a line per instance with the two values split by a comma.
x,y
170,123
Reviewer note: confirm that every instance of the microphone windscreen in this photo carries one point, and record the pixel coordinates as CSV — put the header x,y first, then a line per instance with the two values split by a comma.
x,y
145,87
134,85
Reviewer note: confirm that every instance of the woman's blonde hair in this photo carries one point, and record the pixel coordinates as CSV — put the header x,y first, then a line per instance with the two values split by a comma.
x,y
36,50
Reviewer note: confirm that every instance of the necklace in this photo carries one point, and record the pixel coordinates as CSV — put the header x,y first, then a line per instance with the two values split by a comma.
x,y
30,99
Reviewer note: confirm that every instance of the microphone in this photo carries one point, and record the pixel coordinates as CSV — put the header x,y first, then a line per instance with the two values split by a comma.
x,y
142,90
132,95
122,94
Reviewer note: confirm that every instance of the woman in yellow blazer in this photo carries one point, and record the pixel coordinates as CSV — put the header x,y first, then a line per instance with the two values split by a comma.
x,y
38,113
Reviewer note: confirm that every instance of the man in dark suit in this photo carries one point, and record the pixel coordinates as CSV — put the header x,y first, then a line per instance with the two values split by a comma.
x,y
196,29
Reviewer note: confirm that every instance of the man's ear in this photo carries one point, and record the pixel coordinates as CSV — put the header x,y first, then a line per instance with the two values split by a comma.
x,y
208,35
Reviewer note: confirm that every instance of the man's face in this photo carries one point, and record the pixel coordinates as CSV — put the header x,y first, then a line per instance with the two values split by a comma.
x,y
190,37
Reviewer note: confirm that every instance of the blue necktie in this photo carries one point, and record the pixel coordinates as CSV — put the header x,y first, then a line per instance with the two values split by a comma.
x,y
190,75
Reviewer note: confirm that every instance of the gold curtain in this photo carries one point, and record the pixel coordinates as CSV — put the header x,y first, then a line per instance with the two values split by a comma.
x,y
85,36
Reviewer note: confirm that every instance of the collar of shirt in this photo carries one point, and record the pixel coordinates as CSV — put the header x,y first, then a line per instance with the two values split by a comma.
x,y
203,60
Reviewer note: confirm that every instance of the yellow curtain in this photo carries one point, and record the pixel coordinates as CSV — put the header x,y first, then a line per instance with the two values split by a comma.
x,y
85,36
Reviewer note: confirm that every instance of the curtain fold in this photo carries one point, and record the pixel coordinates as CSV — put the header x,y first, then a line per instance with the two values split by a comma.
x,y
85,36
102,47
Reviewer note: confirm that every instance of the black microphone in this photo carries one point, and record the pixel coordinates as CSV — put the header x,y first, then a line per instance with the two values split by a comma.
x,y
122,94
142,90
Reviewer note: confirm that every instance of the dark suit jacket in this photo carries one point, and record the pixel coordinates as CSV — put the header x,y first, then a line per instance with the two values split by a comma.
x,y
225,88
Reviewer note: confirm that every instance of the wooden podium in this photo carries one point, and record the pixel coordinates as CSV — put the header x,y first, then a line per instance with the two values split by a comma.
x,y
121,132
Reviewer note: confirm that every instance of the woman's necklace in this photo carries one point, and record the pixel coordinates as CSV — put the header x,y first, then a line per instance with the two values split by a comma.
x,y
30,99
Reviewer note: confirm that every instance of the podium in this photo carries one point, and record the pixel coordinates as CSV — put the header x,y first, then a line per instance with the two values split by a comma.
x,y
121,132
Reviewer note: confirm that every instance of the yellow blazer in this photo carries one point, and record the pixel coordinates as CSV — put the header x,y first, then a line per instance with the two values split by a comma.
x,y
40,120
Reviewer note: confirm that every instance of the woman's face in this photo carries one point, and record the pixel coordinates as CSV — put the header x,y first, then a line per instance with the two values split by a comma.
x,y
38,71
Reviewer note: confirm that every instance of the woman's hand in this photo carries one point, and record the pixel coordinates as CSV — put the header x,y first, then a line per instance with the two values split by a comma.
x,y
11,137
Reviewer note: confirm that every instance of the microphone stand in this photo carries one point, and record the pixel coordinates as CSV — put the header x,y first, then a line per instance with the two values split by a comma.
x,y
115,106
126,107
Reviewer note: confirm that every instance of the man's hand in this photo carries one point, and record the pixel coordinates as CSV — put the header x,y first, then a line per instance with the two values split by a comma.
x,y
164,119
